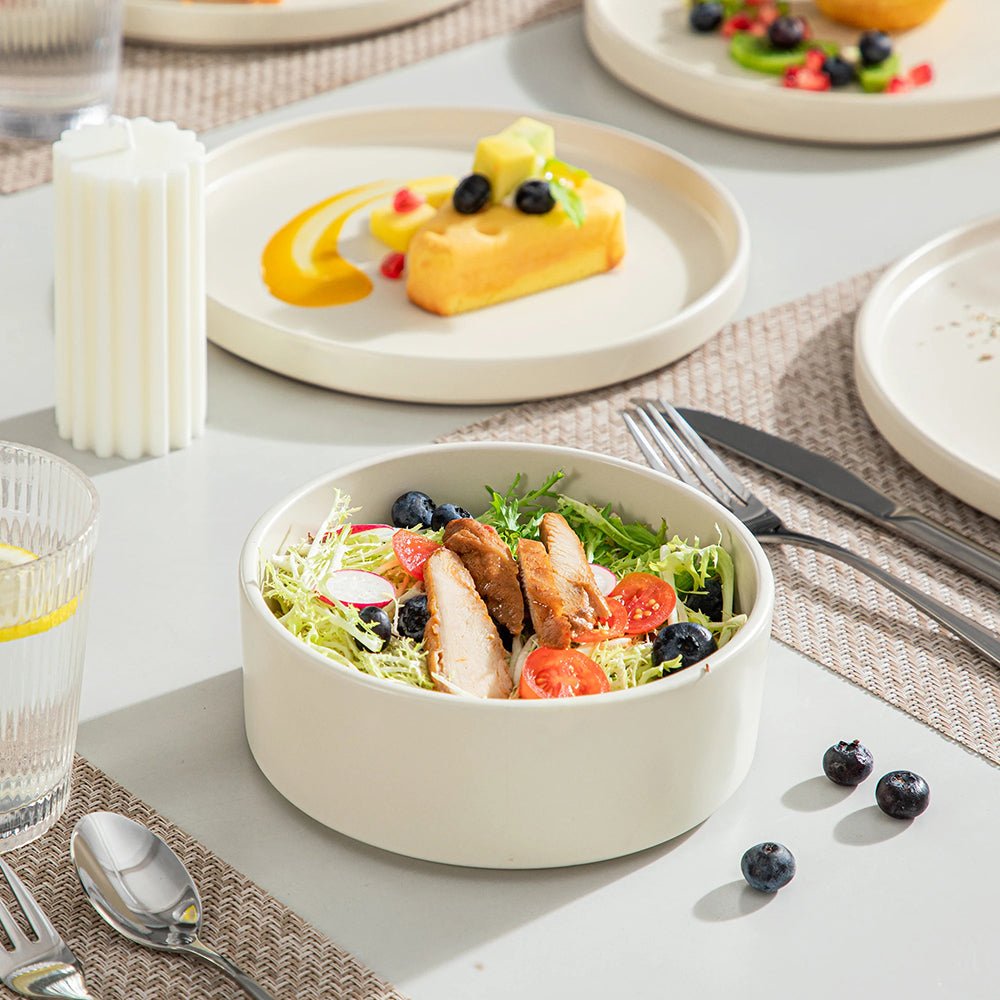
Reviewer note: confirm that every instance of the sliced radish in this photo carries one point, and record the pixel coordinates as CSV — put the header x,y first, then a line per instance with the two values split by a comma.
x,y
356,587
606,580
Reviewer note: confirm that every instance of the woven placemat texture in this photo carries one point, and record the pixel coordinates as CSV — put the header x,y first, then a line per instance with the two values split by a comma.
x,y
202,89
287,956
789,371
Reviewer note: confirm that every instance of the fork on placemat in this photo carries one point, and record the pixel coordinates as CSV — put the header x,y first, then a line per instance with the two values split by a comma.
x,y
662,433
43,968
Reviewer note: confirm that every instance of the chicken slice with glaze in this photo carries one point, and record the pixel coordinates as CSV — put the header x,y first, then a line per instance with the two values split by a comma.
x,y
544,594
463,647
494,572
582,598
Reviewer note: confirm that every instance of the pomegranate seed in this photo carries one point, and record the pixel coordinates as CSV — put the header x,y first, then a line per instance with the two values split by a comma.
x,y
803,78
738,22
815,59
392,265
921,75
897,85
406,200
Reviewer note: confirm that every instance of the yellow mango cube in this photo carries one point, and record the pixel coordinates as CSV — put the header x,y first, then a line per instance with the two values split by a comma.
x,y
538,135
396,229
506,160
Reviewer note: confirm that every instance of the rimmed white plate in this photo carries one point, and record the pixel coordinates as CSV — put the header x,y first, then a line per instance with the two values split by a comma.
x,y
927,361
234,25
682,278
648,45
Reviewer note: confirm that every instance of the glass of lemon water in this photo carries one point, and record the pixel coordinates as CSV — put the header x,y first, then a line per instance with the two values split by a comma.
x,y
48,528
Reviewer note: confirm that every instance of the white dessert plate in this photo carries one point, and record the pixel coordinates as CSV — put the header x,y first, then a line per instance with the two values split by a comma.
x,y
648,45
683,275
235,25
927,361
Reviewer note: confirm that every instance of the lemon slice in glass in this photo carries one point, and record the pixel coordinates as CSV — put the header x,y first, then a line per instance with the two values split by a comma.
x,y
11,556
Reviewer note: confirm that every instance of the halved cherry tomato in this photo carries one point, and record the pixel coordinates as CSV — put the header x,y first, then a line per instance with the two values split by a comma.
x,y
612,627
560,673
648,601
413,550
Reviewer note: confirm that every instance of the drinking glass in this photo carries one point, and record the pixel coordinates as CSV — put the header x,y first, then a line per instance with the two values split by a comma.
x,y
58,64
48,527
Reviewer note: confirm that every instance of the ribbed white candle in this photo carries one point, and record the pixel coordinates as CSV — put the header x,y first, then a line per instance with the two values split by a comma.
x,y
130,287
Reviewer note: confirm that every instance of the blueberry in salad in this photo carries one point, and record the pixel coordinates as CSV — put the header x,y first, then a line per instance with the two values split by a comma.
x,y
786,32
412,618
378,622
768,866
472,194
413,509
541,595
535,198
848,763
875,47
688,641
444,513
902,794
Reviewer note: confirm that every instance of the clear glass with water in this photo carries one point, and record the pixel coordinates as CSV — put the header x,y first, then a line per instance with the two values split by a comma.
x,y
48,528
58,64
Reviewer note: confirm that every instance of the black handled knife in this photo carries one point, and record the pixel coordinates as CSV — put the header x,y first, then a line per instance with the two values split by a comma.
x,y
833,481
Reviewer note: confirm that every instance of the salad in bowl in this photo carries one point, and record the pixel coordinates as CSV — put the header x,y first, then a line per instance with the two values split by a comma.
x,y
540,595
484,676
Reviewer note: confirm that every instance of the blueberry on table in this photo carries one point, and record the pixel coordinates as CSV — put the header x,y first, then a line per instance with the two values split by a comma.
x,y
902,794
534,198
688,640
786,32
848,763
412,618
767,867
875,47
840,71
707,601
472,194
445,513
413,510
706,16
378,623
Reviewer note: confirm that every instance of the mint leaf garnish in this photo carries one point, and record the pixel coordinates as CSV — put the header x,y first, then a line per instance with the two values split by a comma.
x,y
571,202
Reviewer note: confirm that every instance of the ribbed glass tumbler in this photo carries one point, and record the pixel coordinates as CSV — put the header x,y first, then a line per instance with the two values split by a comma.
x,y
48,528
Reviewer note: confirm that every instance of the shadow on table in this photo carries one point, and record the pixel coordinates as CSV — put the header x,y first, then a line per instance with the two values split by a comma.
x,y
814,794
38,429
868,826
730,902
186,754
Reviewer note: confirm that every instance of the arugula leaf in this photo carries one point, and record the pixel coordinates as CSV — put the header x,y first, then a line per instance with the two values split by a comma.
x,y
515,516
571,202
606,538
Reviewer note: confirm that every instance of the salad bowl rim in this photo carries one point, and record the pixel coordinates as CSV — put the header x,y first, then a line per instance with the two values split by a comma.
x,y
758,618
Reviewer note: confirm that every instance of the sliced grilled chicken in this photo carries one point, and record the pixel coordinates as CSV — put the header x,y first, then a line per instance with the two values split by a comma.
x,y
582,597
545,600
492,567
463,646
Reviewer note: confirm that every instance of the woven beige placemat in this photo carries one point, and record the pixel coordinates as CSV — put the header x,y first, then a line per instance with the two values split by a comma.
x,y
202,89
287,956
789,371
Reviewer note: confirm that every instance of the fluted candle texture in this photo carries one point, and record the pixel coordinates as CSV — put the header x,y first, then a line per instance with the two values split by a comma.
x,y
130,287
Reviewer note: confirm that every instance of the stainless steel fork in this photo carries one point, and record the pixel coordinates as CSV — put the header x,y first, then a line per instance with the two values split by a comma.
x,y
44,968
662,433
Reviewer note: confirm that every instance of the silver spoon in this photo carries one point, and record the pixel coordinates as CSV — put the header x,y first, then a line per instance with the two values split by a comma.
x,y
142,889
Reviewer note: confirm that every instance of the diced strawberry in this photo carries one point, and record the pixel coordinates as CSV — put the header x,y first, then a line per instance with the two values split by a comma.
x,y
406,200
768,14
804,78
815,59
392,265
921,74
758,29
898,85
738,22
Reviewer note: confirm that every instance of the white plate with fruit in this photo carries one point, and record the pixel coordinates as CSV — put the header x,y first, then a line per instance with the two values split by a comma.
x,y
240,23
541,257
930,78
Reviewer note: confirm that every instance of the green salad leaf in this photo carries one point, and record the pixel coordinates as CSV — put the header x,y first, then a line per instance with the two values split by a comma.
x,y
517,514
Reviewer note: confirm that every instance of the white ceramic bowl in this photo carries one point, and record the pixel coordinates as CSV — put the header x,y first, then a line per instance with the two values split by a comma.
x,y
503,784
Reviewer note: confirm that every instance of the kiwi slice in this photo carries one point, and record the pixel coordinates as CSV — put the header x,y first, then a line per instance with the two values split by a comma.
x,y
874,79
760,55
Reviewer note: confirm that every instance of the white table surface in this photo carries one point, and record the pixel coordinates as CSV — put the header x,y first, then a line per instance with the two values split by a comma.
x,y
878,907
